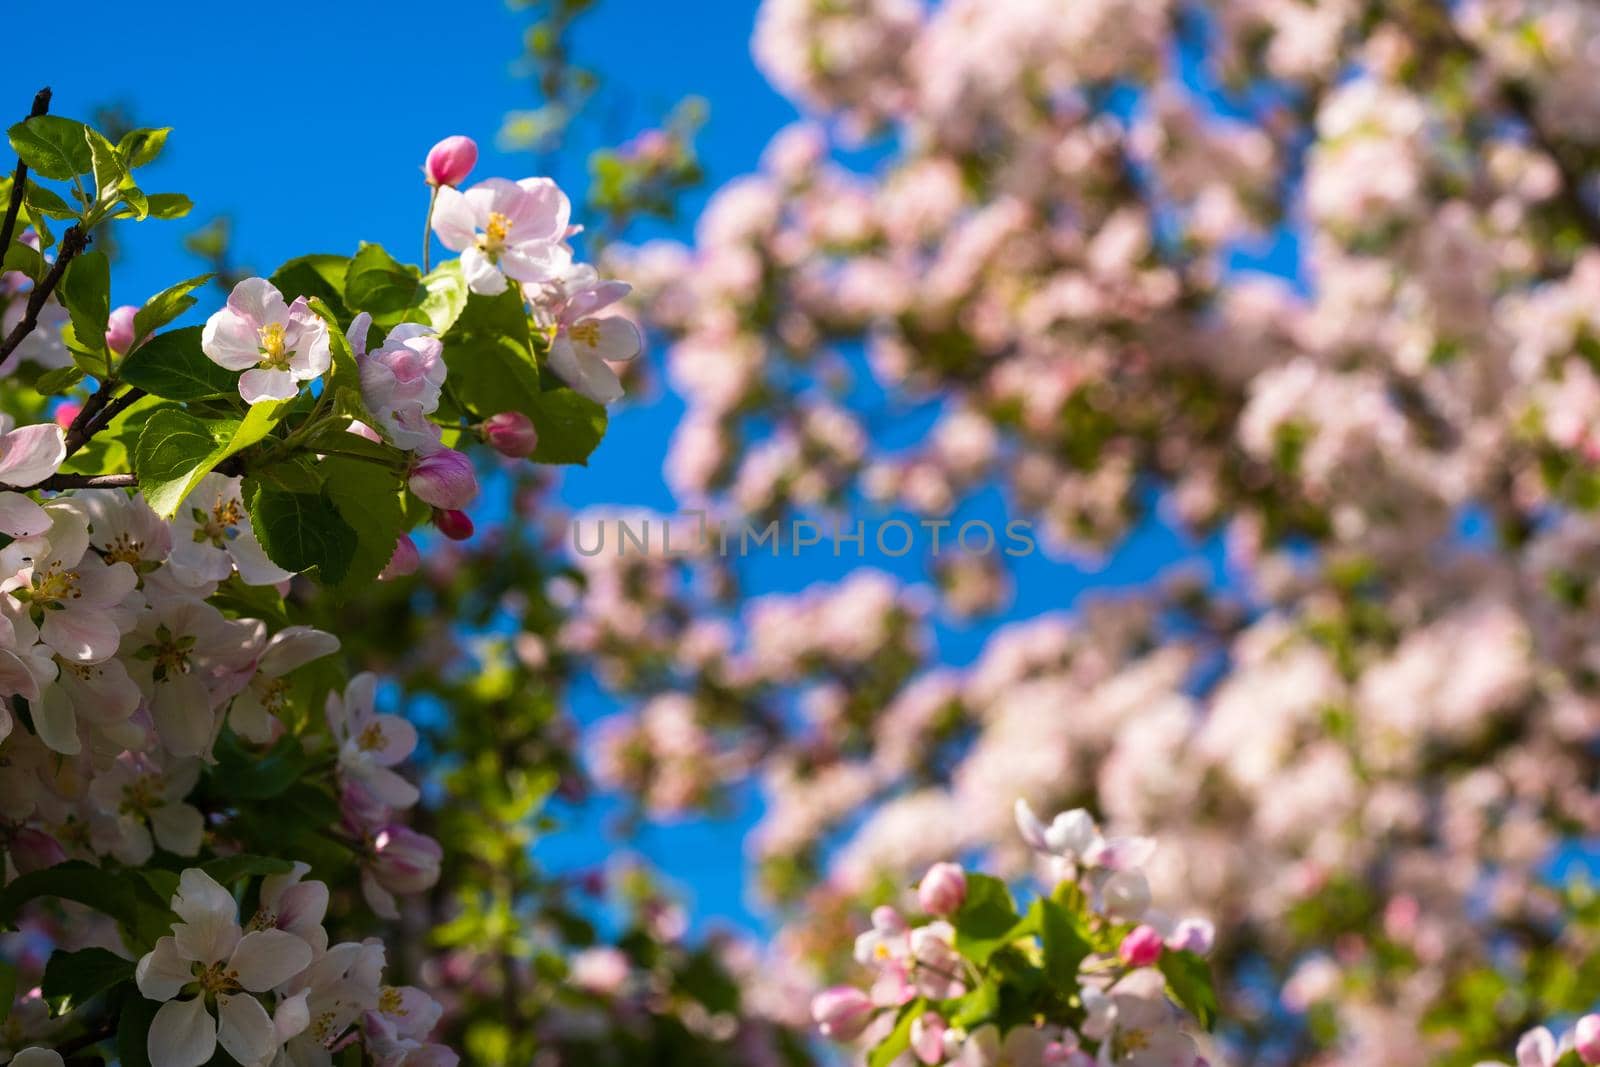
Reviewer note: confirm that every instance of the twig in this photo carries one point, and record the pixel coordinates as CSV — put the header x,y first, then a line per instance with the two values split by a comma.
x,y
19,181
93,1037
89,481
73,242
97,413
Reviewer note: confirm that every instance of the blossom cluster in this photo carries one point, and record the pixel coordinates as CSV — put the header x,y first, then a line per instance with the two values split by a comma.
x,y
1090,975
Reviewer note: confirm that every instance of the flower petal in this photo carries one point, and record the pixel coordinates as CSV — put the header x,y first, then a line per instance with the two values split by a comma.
x,y
230,341
161,973
266,958
182,1034
30,454
262,383
245,1029
21,517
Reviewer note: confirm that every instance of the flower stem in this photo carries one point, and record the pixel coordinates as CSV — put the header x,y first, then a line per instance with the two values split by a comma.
x,y
427,226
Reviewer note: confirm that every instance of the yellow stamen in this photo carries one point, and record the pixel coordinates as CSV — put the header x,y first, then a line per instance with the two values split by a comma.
x,y
274,351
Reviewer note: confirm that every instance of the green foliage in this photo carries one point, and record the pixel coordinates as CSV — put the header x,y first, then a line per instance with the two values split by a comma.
x,y
172,365
86,291
898,1042
381,285
166,306
177,449
987,919
302,531
1189,980
52,147
143,915
70,978
368,499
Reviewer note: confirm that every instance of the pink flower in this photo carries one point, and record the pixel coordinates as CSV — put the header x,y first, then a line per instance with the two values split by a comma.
x,y
28,455
277,345
451,160
405,560
456,525
1586,1038
505,229
119,329
401,381
403,861
444,479
943,889
841,1013
511,433
585,344
1141,948
927,1037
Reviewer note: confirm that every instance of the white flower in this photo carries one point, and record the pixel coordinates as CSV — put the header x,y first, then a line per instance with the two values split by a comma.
x,y
254,712
504,228
211,535
1136,1025
174,652
28,455
135,791
370,743
277,345
214,962
585,345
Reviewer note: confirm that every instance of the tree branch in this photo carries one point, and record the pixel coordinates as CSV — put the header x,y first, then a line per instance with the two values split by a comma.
x,y
19,181
88,481
73,242
97,413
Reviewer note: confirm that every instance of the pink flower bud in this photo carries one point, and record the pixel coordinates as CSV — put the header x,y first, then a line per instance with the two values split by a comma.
x,y
1586,1039
1193,935
456,525
405,560
927,1037
65,413
404,861
451,160
511,433
886,920
1141,948
444,479
943,889
34,850
842,1012
119,329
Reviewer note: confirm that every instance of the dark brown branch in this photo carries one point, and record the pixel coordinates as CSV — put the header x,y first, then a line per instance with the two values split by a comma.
x,y
88,481
73,242
19,181
97,413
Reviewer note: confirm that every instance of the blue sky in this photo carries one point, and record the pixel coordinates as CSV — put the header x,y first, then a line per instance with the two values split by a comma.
x,y
307,124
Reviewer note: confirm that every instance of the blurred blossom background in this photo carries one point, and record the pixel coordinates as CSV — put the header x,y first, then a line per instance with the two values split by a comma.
x,y
1279,322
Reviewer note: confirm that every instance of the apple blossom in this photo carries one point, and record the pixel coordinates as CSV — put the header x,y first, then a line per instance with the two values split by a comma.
x,y
511,433
28,455
401,381
942,889
1586,1039
444,479
451,160
586,344
119,329
842,1013
505,229
453,523
223,965
1141,947
277,345
404,560
400,861
212,535
370,743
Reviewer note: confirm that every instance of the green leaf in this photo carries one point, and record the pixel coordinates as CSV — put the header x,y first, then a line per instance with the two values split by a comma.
x,y
987,919
133,1029
42,201
128,900
1189,978
140,147
898,1042
26,259
489,356
570,426
380,284
109,171
345,376
445,295
230,869
168,205
58,381
166,306
367,497
176,450
321,276
70,978
242,774
301,531
86,291
172,365
1065,946
53,147
173,453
